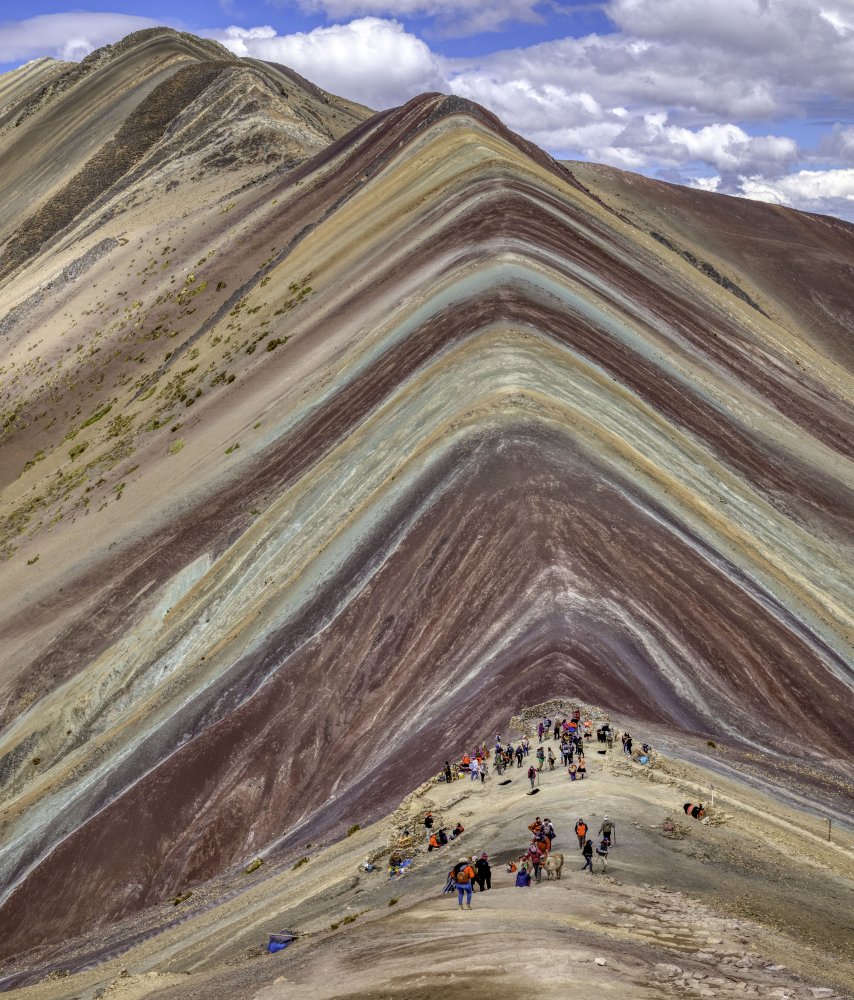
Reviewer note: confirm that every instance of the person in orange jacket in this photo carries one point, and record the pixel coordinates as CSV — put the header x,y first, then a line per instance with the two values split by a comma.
x,y
462,874
581,832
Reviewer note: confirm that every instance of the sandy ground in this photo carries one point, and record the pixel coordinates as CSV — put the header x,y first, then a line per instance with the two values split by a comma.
x,y
755,903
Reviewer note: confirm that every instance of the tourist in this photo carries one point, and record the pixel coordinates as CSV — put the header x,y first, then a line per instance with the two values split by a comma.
x,y
582,767
532,776
483,875
587,853
581,832
462,874
608,829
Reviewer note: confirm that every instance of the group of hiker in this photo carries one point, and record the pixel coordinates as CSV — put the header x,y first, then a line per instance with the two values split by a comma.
x,y
570,734
531,864
439,837
474,765
467,873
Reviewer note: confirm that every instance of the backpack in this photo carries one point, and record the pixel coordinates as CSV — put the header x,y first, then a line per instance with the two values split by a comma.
x,y
607,827
462,876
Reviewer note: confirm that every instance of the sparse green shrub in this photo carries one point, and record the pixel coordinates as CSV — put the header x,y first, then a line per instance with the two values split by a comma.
x,y
102,412
78,449
119,425
393,901
351,918
711,743
300,863
38,457
232,448
176,446
353,829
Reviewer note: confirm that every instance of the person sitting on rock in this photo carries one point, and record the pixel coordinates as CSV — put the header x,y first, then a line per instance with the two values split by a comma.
x,y
458,829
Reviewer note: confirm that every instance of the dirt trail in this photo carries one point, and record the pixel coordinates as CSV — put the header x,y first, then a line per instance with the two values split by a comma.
x,y
707,910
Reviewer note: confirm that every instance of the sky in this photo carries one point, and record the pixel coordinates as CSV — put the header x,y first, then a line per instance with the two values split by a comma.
x,y
746,97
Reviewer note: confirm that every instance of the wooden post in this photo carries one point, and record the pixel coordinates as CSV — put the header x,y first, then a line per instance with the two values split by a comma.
x,y
828,827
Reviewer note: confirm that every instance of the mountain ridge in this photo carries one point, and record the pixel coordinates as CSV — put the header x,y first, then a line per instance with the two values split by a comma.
x,y
491,432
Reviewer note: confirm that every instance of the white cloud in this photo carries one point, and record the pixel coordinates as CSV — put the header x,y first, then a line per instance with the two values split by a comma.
x,y
810,190
65,36
374,61
455,16
678,89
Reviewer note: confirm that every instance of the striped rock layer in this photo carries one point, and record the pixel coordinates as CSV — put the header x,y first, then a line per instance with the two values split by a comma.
x,y
382,437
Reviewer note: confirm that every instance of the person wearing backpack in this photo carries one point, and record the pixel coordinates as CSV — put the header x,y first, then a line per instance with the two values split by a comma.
x,y
602,853
462,874
541,757
532,776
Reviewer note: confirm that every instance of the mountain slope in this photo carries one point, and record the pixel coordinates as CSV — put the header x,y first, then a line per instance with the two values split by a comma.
x,y
303,455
